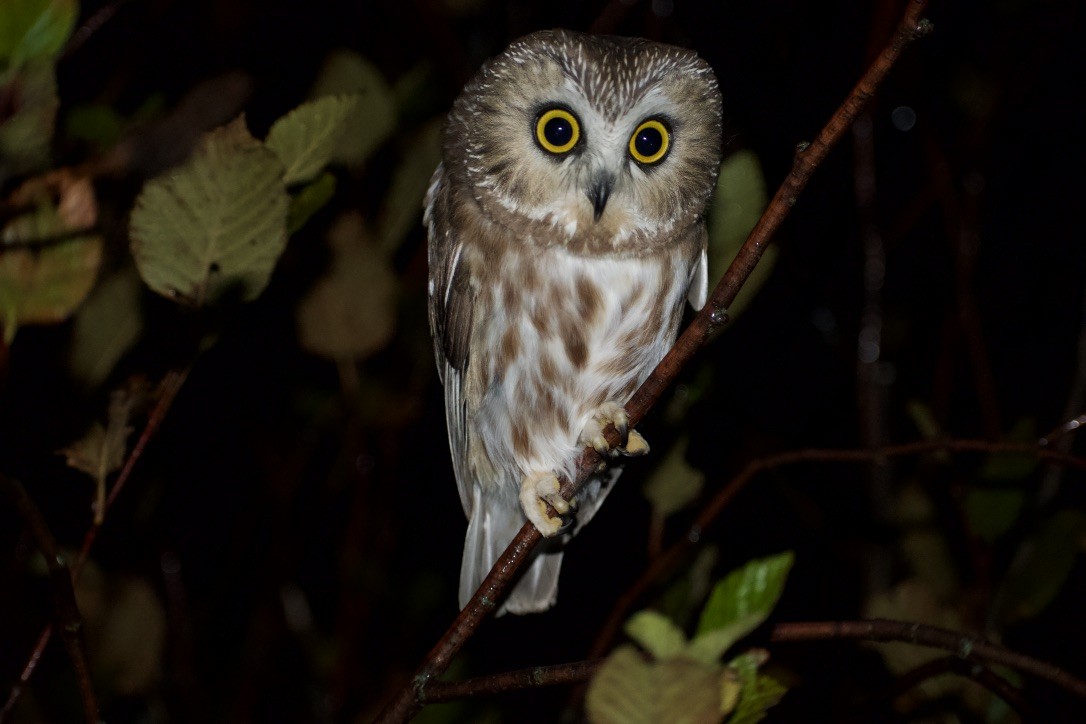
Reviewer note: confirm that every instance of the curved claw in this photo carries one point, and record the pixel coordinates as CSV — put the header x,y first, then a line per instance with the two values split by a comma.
x,y
537,491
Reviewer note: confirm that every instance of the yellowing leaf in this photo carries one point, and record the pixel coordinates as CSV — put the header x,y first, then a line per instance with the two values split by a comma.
x,y
629,690
215,224
305,139
48,275
674,484
345,71
350,313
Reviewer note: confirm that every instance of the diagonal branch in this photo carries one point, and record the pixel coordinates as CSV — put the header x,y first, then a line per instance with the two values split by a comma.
x,y
67,612
710,320
171,385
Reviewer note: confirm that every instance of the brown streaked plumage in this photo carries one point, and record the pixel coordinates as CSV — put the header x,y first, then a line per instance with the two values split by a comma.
x,y
566,231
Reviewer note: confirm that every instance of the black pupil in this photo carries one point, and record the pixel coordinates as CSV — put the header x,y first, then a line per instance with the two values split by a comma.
x,y
649,142
558,131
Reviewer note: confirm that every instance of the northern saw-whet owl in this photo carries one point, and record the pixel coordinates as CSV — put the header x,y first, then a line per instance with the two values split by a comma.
x,y
566,231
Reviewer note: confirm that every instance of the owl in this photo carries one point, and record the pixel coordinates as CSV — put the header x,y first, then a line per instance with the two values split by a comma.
x,y
566,231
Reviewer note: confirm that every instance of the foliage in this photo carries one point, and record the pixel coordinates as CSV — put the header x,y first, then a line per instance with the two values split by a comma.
x,y
684,680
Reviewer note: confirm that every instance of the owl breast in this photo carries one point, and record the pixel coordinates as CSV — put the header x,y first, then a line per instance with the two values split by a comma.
x,y
561,335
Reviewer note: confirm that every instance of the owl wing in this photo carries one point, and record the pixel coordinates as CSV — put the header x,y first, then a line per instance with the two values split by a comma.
x,y
699,275
451,305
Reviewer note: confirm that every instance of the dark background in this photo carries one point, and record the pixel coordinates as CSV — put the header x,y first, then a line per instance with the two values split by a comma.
x,y
303,545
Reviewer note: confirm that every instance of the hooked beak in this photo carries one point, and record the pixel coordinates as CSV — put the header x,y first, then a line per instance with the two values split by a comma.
x,y
599,192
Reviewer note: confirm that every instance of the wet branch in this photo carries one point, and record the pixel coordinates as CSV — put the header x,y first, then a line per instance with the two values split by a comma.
x,y
709,321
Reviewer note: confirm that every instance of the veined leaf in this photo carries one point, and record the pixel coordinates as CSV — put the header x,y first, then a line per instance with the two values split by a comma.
x,y
747,595
629,690
216,223
306,138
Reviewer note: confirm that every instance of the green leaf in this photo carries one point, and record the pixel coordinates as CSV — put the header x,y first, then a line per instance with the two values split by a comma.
x,y
709,646
45,284
401,209
345,71
745,598
310,199
306,138
674,484
214,224
759,692
106,326
97,123
26,125
737,203
629,690
34,29
1040,571
991,513
656,633
351,311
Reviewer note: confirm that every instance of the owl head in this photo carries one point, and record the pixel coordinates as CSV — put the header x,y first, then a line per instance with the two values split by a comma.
x,y
607,145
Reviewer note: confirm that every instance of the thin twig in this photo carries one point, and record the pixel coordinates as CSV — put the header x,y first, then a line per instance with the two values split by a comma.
x,y
171,385
573,673
710,320
723,497
968,648
67,612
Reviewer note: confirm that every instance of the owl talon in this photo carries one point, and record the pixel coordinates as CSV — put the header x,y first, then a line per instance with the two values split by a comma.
x,y
635,446
609,413
537,491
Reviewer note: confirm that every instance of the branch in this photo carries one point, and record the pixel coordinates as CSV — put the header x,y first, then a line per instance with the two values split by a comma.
x,y
171,385
967,648
67,612
674,555
535,677
975,672
710,320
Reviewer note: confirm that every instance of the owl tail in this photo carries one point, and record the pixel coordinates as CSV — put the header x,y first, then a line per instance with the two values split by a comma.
x,y
494,522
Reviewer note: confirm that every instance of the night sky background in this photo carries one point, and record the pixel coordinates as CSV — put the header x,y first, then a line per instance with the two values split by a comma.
x,y
293,532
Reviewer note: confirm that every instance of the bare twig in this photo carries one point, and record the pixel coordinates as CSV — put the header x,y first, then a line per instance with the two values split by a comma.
x,y
171,385
967,648
67,612
710,320
573,673
723,497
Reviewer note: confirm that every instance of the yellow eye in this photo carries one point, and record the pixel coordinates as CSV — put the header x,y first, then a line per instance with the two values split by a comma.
x,y
557,130
650,142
